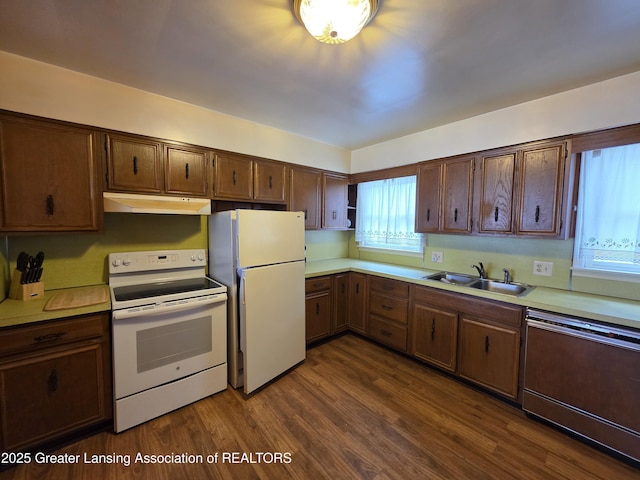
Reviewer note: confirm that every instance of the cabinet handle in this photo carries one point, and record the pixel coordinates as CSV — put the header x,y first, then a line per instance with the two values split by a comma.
x,y
386,333
334,215
305,213
270,181
135,165
317,308
433,328
486,344
49,337
317,284
537,213
50,205
495,215
186,171
357,288
234,177
428,214
52,382
387,307
455,215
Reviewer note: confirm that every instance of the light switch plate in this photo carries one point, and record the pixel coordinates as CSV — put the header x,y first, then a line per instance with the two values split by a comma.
x,y
542,268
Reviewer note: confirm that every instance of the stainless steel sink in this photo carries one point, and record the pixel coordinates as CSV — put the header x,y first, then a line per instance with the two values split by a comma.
x,y
489,285
452,278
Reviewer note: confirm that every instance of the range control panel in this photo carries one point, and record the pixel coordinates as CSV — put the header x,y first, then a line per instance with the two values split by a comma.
x,y
130,262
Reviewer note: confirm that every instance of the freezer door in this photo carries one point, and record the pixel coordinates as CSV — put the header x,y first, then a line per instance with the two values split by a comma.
x,y
272,324
267,237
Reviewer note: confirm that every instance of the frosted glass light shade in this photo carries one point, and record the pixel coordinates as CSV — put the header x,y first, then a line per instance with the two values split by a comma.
x,y
334,21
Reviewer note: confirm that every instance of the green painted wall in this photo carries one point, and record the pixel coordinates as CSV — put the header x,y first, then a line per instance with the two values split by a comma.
x,y
326,244
81,259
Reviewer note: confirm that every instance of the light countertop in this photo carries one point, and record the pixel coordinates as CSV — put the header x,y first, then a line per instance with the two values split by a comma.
x,y
18,312
593,307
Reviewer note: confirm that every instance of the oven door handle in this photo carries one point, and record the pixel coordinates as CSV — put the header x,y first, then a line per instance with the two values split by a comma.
x,y
160,308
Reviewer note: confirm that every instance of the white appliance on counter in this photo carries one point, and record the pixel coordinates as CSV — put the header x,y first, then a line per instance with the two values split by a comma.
x,y
169,324
259,256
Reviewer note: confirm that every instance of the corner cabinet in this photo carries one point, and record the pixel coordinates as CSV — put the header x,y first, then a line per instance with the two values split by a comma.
x,y
444,196
49,178
55,379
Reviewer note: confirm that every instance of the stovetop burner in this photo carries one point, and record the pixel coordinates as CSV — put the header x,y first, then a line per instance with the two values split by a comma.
x,y
171,287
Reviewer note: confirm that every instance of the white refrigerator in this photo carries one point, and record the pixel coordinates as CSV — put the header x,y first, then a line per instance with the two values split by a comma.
x,y
259,256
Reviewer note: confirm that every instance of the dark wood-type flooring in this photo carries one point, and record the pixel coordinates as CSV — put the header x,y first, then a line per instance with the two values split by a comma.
x,y
352,410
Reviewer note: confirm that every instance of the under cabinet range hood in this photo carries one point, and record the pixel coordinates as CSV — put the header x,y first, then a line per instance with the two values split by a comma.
x,y
137,203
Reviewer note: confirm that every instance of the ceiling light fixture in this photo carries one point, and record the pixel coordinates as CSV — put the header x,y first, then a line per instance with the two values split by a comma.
x,y
334,21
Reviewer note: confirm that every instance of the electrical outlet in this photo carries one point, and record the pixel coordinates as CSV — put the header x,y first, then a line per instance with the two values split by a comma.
x,y
436,257
542,268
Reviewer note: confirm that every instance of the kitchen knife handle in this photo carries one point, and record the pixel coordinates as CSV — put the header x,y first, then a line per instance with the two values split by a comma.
x,y
186,171
50,205
135,165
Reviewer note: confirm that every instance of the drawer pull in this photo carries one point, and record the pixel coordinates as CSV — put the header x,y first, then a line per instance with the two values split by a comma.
x,y
52,382
387,287
318,284
386,333
387,307
270,181
433,328
186,171
50,337
317,308
135,165
486,344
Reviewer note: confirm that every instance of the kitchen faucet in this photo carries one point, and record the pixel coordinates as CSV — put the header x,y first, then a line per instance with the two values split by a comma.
x,y
481,270
507,276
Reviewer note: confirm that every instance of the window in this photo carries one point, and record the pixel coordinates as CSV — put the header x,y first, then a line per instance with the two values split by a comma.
x,y
607,242
385,215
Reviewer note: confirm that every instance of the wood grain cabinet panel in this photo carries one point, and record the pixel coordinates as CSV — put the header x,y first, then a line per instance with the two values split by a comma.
x,y
334,206
358,302
187,171
306,194
428,196
134,164
434,333
319,308
48,176
269,180
497,193
233,177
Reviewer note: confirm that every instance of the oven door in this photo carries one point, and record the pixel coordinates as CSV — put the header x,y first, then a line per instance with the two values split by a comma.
x,y
165,342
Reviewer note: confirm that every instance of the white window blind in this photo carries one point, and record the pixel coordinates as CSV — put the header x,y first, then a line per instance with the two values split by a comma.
x,y
608,220
385,215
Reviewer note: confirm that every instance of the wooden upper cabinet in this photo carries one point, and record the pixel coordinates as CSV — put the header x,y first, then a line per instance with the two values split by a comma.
x,y
305,195
134,164
444,196
456,204
233,177
541,177
428,198
48,176
334,206
186,170
497,192
269,181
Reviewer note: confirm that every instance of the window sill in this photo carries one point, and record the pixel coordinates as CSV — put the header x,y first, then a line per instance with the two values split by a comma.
x,y
606,275
392,251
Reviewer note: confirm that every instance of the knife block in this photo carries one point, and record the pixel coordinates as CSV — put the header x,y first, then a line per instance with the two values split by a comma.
x,y
25,291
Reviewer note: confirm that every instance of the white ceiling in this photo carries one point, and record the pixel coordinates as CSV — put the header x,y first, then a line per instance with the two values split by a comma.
x,y
417,65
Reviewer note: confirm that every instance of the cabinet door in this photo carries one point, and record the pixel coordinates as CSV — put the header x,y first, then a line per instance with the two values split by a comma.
x,y
305,196
456,196
357,302
428,198
334,207
318,315
48,177
48,395
497,193
269,181
233,177
541,180
187,170
341,293
489,356
134,164
434,336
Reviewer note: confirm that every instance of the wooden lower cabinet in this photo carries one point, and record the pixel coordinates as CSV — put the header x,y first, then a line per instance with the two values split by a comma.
x,y
55,379
388,312
489,355
318,308
434,335
341,297
357,302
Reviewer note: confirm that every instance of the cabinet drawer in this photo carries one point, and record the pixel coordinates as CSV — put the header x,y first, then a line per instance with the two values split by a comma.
x,y
43,335
389,307
388,333
317,284
390,287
